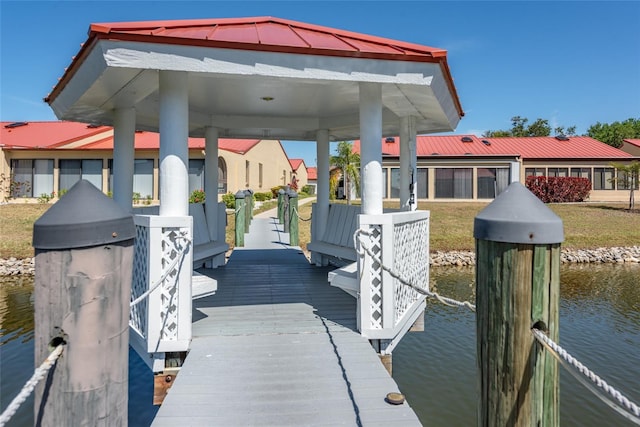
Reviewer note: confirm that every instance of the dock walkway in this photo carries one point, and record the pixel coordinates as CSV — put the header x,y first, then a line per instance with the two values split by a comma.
x,y
276,345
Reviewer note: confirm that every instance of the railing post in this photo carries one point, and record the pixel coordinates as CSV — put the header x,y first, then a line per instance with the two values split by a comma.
x,y
293,218
517,288
281,206
240,221
286,213
248,209
84,256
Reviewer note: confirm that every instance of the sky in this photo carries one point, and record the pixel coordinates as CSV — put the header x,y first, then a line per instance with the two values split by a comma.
x,y
573,63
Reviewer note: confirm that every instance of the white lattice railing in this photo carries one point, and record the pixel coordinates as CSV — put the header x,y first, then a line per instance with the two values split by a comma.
x,y
400,240
162,322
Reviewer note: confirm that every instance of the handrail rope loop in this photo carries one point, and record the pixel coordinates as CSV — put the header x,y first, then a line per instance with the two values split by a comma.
x,y
358,243
39,373
629,410
162,278
295,210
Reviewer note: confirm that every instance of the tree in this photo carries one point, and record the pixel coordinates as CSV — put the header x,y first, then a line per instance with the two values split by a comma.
x,y
628,178
519,128
614,133
348,163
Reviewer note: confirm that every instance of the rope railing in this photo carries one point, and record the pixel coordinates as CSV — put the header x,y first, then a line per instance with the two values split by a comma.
x,y
295,210
361,248
624,406
168,271
39,373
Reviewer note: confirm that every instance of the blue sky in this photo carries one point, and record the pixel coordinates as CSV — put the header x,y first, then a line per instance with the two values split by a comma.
x,y
570,62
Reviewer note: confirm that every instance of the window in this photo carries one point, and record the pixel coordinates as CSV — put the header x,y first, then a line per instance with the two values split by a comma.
x,y
395,183
558,172
492,181
196,174
385,190
222,176
626,181
32,177
454,183
581,173
246,172
143,177
603,178
534,172
423,183
260,175
73,170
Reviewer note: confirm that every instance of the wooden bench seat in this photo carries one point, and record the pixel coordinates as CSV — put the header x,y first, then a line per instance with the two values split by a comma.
x,y
346,278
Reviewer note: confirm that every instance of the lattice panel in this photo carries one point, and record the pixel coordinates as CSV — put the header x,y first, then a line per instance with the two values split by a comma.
x,y
411,262
376,278
172,247
139,285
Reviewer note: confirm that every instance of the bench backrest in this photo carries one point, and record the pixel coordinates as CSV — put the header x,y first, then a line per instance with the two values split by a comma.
x,y
341,224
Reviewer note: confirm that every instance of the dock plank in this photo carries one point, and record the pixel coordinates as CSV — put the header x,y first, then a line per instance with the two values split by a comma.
x,y
276,345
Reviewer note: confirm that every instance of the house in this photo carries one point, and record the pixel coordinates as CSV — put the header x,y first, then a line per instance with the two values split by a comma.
x,y
466,167
312,178
299,172
49,157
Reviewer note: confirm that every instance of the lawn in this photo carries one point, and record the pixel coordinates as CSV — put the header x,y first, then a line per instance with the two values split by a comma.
x,y
586,225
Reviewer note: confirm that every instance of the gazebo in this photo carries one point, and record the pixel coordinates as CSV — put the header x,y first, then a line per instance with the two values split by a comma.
x,y
259,77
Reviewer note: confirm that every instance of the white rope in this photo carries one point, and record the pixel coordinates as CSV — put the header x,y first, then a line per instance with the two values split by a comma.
x,y
629,409
166,273
39,373
444,300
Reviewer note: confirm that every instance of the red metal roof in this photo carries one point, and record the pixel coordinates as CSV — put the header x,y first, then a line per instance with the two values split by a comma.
x,y
577,147
635,142
45,134
266,33
295,163
312,173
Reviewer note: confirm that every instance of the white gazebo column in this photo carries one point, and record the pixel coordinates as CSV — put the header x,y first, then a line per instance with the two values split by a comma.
x,y
124,131
408,168
174,150
371,148
211,180
321,211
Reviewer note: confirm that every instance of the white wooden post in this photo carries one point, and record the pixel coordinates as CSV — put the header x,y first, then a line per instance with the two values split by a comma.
x,y
124,130
408,169
371,148
321,208
174,150
211,181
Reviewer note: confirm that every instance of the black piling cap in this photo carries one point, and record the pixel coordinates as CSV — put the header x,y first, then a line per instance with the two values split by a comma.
x,y
83,217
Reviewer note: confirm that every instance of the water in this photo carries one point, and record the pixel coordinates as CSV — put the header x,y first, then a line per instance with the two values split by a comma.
x,y
436,369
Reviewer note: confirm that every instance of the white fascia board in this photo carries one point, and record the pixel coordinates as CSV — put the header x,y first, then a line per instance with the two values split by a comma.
x,y
240,121
197,59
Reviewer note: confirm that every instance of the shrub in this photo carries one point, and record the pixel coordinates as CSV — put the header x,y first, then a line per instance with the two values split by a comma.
x,y
229,200
274,191
559,189
261,197
45,197
308,189
197,196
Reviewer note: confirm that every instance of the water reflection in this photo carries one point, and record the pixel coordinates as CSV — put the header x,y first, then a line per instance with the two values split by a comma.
x,y
16,309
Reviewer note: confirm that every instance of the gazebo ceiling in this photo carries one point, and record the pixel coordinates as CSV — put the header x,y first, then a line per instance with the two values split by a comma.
x,y
256,78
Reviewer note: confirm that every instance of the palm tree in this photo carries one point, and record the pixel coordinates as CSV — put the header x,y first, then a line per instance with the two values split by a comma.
x,y
348,163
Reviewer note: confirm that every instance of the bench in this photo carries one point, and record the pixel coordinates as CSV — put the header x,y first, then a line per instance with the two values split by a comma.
x,y
337,241
206,252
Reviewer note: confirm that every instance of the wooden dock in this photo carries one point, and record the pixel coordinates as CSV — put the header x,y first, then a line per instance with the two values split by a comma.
x,y
276,345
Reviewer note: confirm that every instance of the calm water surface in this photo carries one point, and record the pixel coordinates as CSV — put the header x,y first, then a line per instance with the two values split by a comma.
x,y
436,369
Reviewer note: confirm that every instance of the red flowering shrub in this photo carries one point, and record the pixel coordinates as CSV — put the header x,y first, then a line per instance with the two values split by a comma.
x,y
559,189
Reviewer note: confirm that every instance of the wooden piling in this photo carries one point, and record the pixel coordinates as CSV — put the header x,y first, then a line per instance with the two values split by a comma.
x,y
281,206
83,267
517,288
240,218
248,196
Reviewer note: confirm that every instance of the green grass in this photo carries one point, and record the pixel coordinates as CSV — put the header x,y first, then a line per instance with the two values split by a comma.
x,y
586,225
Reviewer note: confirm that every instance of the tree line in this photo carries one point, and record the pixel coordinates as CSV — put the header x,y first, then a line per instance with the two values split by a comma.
x,y
610,133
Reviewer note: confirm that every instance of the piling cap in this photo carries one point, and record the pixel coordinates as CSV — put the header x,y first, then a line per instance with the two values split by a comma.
x,y
292,193
240,194
83,217
518,216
